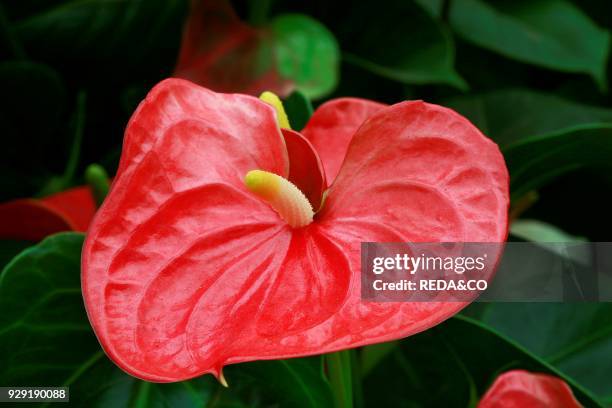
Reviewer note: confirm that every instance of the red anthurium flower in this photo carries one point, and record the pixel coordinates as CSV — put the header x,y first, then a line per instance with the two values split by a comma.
x,y
32,219
207,250
522,389
226,54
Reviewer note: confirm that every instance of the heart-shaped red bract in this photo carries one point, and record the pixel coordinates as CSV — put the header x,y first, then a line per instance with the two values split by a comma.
x,y
184,270
522,389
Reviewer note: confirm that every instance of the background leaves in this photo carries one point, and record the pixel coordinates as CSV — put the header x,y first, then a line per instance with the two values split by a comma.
x,y
572,337
552,33
451,365
109,37
41,305
511,115
307,53
422,48
29,87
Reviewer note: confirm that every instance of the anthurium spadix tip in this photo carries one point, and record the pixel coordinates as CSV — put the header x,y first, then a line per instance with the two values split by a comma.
x,y
273,100
290,203
188,267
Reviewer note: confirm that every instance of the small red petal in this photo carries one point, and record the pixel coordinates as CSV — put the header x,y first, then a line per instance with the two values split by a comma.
x,y
31,219
76,204
305,168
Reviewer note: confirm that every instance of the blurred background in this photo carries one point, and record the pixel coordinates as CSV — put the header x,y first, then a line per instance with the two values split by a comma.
x,y
517,69
531,74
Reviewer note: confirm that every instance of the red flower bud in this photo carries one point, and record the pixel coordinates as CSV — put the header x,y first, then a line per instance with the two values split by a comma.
x,y
522,389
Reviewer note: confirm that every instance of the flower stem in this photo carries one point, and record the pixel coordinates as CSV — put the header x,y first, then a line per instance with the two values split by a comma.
x,y
60,183
340,377
358,401
75,150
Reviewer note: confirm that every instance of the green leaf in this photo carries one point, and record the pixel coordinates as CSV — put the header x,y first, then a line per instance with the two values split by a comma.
x,y
549,237
539,231
289,383
574,338
373,354
542,136
433,7
41,305
99,383
510,115
89,31
299,110
534,162
307,53
46,340
405,43
10,248
452,364
340,373
551,33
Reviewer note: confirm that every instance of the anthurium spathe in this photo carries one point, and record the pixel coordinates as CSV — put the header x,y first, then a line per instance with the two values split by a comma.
x,y
33,219
522,389
207,251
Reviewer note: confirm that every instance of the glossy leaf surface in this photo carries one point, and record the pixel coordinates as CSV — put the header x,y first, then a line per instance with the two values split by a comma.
x,y
511,115
572,337
37,314
453,364
555,34
423,51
